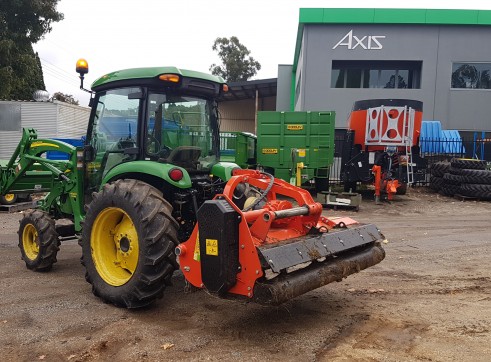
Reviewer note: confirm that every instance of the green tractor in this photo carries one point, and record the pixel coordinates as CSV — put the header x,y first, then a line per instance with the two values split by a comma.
x,y
151,158
147,194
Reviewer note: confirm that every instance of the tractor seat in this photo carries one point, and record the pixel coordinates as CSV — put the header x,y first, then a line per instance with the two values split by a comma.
x,y
184,156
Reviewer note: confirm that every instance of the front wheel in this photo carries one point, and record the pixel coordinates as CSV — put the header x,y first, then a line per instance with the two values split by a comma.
x,y
8,199
38,240
128,243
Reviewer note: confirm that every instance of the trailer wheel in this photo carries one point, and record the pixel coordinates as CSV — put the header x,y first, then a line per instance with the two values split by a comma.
x,y
128,242
402,189
8,199
38,240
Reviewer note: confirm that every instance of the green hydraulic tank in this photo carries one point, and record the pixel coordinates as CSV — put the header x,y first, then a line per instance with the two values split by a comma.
x,y
285,139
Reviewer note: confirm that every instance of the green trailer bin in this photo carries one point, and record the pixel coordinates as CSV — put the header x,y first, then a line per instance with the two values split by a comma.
x,y
288,139
238,147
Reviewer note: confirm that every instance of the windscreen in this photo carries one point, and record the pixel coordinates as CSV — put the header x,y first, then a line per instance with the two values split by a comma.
x,y
180,130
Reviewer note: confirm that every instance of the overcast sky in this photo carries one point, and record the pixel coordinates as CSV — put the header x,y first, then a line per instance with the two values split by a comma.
x,y
119,34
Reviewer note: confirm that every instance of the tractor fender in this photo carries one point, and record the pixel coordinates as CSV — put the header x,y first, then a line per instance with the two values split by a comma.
x,y
224,170
155,169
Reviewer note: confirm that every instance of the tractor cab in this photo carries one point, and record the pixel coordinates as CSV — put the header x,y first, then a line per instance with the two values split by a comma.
x,y
158,125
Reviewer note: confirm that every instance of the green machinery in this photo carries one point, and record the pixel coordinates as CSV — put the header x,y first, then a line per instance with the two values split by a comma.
x,y
147,194
238,147
297,146
151,154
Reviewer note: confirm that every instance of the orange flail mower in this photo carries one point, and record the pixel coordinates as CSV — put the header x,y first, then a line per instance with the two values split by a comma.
x,y
266,240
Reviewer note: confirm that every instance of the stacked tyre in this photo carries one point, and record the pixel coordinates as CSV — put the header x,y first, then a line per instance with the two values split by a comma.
x,y
475,180
437,171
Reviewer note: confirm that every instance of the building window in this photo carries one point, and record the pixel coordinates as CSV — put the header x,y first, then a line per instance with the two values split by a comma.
x,y
471,75
376,74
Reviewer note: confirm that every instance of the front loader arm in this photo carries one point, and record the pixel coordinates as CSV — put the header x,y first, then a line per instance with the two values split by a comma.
x,y
27,171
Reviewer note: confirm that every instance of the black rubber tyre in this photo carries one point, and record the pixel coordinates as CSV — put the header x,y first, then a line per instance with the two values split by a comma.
x,y
128,243
436,183
402,189
449,179
8,199
482,192
438,169
476,176
468,163
450,190
38,240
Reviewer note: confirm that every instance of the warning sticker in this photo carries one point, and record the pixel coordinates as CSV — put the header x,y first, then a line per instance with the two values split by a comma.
x,y
301,152
294,127
269,151
212,247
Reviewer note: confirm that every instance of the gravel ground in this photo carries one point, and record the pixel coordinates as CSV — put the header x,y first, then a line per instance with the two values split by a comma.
x,y
429,300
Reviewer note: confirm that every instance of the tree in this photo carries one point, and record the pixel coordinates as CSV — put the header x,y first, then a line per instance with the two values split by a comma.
x,y
237,64
67,98
23,23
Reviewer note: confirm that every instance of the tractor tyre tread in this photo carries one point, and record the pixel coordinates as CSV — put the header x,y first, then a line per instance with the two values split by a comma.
x,y
464,163
479,191
49,242
450,179
450,190
438,169
436,183
157,239
476,176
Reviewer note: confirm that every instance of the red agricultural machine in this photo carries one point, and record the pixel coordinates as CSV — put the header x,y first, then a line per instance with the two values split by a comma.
x,y
381,146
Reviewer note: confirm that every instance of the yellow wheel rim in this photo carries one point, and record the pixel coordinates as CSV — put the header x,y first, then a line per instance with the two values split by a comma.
x,y
9,197
30,241
114,246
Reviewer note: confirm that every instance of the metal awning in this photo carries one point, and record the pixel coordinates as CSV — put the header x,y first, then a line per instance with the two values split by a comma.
x,y
248,89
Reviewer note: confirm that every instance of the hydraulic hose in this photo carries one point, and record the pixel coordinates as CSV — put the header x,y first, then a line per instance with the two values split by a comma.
x,y
263,194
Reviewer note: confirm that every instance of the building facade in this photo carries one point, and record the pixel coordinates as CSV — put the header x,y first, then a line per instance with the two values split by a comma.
x,y
439,57
50,119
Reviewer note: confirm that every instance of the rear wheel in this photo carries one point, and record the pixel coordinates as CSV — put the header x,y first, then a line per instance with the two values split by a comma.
x,y
128,243
38,240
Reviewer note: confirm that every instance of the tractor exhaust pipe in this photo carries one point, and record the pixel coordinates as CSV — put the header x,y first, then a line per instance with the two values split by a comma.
x,y
289,286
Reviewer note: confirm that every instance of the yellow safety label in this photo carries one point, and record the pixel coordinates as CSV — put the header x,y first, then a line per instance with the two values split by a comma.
x,y
269,151
212,247
41,143
294,127
196,255
301,153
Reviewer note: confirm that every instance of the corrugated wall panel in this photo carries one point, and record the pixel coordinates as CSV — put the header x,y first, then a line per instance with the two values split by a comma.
x,y
8,143
72,120
237,116
40,116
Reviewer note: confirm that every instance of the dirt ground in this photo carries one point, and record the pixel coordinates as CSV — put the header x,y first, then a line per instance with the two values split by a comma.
x,y
429,300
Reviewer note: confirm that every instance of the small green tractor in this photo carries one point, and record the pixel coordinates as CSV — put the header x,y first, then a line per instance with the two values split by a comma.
x,y
147,194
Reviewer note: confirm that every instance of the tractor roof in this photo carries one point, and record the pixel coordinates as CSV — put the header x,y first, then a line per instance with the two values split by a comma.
x,y
127,75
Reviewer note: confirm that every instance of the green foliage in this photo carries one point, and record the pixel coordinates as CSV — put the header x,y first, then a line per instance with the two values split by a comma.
x,y
237,64
67,98
23,23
